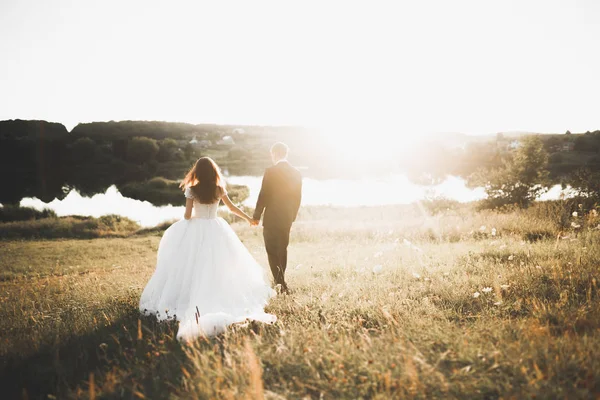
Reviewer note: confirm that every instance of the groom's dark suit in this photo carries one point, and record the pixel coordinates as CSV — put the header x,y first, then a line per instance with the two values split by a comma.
x,y
279,198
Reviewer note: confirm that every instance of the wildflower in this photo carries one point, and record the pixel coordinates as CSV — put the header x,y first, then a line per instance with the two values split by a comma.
x,y
511,257
575,213
427,280
538,267
482,228
476,294
594,213
486,289
377,269
493,231
416,276
497,303
504,286
575,225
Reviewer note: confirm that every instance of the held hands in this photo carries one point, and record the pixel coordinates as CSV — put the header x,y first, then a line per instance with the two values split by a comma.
x,y
254,222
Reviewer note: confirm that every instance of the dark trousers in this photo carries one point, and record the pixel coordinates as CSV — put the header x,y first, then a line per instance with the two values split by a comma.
x,y
276,243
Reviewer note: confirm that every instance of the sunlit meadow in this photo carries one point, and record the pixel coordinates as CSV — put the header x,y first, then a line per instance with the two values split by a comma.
x,y
388,302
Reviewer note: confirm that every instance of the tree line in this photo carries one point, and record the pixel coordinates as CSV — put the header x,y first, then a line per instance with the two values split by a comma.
x,y
44,160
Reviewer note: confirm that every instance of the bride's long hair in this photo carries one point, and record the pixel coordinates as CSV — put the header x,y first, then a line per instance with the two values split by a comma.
x,y
205,181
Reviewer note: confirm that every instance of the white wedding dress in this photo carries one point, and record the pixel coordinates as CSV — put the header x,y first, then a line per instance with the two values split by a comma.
x,y
205,277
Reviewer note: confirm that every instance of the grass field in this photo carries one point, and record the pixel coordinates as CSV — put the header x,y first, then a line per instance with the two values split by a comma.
x,y
387,303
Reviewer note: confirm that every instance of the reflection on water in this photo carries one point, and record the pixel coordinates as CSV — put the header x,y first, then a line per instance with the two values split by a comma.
x,y
337,192
375,192
111,202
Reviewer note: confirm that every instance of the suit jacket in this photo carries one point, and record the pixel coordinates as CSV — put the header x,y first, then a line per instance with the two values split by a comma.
x,y
280,196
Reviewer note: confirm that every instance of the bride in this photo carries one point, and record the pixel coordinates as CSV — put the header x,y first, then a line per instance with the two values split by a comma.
x,y
205,277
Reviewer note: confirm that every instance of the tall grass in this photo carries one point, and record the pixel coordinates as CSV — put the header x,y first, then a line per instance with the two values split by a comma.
x,y
11,213
387,303
69,227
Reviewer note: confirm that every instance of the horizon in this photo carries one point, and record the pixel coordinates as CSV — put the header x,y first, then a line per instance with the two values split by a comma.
x,y
425,68
236,125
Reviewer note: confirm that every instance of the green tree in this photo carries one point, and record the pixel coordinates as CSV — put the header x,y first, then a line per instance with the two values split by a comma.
x,y
84,150
521,178
586,183
167,149
142,150
190,152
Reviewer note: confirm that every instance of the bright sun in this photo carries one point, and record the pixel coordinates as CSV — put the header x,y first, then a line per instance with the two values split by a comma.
x,y
367,143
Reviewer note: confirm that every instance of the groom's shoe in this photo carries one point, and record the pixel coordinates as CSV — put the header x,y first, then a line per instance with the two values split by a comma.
x,y
285,289
282,288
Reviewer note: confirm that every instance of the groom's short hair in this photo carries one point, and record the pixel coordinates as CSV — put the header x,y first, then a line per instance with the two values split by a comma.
x,y
280,150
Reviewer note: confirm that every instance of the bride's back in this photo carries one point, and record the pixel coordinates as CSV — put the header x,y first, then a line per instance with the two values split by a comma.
x,y
205,211
202,210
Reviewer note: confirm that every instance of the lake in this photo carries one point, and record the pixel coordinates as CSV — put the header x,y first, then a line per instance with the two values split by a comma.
x,y
390,190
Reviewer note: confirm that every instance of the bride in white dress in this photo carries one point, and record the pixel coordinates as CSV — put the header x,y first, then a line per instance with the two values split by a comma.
x,y
205,277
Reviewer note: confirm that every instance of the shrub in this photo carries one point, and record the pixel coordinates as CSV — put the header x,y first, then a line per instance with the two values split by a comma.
x,y
159,183
142,150
11,213
69,227
520,180
439,205
238,193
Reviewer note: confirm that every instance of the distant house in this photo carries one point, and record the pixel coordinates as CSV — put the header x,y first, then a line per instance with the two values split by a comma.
x,y
514,144
226,141
567,146
197,143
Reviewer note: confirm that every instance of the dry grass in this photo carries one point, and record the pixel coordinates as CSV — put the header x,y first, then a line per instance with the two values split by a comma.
x,y
69,227
384,307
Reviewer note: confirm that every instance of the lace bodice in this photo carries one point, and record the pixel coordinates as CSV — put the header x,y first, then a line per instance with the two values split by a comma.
x,y
203,211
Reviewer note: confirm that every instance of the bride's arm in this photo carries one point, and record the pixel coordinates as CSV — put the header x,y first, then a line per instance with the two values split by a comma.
x,y
189,205
234,209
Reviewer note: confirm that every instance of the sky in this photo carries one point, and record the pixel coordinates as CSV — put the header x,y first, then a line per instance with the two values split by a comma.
x,y
399,67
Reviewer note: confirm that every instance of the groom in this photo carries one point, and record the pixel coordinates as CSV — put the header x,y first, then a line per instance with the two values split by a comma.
x,y
279,198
